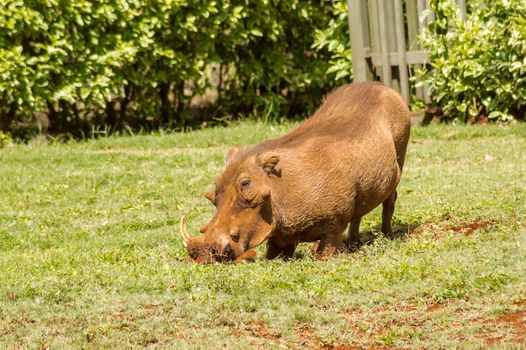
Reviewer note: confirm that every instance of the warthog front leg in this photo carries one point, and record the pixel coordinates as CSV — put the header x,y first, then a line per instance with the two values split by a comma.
x,y
274,250
330,243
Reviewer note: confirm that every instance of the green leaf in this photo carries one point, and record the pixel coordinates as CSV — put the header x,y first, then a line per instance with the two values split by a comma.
x,y
256,32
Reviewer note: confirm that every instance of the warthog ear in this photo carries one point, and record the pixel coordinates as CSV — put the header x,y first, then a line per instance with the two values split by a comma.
x,y
231,154
268,163
210,195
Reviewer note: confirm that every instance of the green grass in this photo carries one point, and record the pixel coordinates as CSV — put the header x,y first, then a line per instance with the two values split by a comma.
x,y
91,257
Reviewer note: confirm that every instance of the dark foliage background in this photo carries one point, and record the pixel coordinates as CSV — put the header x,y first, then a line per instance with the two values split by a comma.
x,y
81,68
89,66
478,65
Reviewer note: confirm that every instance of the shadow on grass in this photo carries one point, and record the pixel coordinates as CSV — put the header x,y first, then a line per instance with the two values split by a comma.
x,y
400,231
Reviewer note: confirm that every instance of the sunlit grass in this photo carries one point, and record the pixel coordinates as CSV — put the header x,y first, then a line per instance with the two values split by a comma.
x,y
90,256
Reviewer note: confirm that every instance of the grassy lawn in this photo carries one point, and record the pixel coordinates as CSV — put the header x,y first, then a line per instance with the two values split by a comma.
x,y
91,257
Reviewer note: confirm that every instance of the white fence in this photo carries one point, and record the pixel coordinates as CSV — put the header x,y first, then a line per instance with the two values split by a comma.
x,y
384,41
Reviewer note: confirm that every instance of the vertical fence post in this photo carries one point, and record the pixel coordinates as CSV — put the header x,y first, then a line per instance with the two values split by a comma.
x,y
386,66
422,23
359,37
462,6
402,59
421,6
412,24
386,33
413,39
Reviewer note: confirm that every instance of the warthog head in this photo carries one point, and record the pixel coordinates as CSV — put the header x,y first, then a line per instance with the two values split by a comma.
x,y
243,217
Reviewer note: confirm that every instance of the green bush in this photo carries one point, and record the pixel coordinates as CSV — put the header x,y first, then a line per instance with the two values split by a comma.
x,y
140,63
334,39
5,139
265,55
478,65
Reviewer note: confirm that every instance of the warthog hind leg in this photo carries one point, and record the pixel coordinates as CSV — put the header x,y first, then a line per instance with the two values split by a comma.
x,y
353,241
387,215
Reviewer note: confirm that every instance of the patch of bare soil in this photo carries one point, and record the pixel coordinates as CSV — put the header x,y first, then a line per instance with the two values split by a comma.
x,y
312,342
150,306
352,347
151,341
6,330
467,228
435,307
367,328
358,347
515,320
259,330
413,317
256,330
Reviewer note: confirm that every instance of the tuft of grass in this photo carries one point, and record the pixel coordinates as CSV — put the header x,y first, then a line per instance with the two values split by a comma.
x,y
90,255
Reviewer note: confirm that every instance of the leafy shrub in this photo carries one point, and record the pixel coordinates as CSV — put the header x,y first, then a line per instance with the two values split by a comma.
x,y
478,65
140,63
335,40
5,139
267,62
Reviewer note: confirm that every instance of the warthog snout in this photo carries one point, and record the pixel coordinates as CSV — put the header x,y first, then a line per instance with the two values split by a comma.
x,y
220,250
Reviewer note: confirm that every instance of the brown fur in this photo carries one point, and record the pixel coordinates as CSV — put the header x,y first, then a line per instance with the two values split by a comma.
x,y
309,184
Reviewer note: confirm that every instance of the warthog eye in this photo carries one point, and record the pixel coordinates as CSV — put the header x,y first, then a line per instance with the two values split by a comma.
x,y
234,234
245,183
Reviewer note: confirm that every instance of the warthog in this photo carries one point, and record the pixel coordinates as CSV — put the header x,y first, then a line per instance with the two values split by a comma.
x,y
309,184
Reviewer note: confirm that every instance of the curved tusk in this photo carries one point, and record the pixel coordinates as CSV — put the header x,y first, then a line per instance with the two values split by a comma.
x,y
184,233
